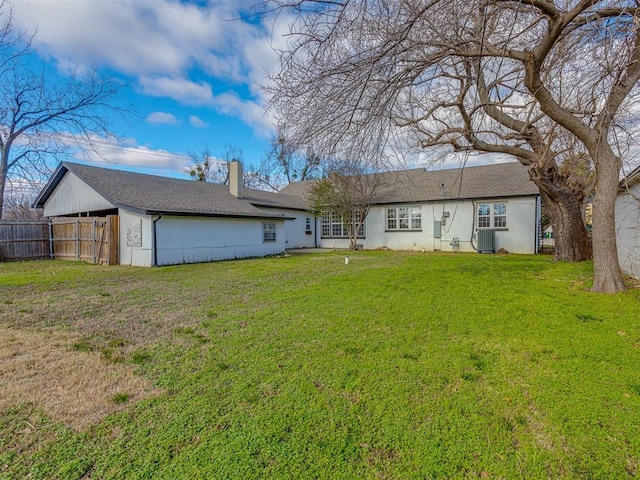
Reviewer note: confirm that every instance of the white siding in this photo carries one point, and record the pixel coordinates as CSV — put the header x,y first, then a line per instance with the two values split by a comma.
x,y
519,237
72,196
136,251
200,239
295,231
628,231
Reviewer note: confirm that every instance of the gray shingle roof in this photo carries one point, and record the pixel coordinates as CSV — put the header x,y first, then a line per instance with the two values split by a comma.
x,y
154,194
417,185
262,198
630,180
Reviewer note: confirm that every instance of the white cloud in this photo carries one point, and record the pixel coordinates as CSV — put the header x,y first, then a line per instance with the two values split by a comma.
x,y
141,38
249,112
197,122
162,118
180,89
150,37
163,44
127,153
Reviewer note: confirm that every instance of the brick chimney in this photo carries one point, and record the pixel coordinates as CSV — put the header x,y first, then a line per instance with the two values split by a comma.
x,y
235,179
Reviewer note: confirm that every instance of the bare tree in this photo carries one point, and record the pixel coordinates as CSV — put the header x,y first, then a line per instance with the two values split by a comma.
x,y
346,193
542,81
17,200
286,162
205,167
42,119
281,165
19,207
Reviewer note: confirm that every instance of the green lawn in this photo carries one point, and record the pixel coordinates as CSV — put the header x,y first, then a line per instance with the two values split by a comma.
x,y
398,365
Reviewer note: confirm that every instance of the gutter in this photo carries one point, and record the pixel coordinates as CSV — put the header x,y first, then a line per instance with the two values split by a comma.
x,y
154,237
212,215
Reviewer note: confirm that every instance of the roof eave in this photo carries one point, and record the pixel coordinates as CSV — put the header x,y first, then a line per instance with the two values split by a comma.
x,y
222,215
456,199
51,185
630,180
265,205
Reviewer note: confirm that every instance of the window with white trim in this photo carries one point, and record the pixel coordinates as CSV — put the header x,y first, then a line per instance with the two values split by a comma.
x,y
334,227
492,215
268,232
404,218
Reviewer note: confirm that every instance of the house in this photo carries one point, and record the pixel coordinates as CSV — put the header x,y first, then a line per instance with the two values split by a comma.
x,y
483,208
628,224
166,221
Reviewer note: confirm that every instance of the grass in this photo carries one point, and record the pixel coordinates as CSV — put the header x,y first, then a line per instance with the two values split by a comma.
x,y
398,365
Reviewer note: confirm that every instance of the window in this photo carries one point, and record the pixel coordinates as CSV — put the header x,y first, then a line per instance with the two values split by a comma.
x,y
307,228
404,218
484,215
500,215
492,215
268,232
334,227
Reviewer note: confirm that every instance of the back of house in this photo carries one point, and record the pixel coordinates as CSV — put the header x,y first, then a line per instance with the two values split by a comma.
x,y
484,208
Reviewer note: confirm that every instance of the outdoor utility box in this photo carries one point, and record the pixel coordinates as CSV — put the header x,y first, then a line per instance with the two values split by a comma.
x,y
437,229
486,240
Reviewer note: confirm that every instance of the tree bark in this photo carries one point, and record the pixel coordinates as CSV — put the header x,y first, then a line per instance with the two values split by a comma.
x,y
4,167
607,274
564,204
3,182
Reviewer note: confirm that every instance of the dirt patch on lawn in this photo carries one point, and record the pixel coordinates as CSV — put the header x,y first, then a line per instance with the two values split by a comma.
x,y
76,388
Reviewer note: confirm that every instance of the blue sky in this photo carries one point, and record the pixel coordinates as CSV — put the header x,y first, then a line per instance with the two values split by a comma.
x,y
191,70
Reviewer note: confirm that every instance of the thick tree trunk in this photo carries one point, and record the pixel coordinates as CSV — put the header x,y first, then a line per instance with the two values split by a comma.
x,y
572,241
607,276
564,204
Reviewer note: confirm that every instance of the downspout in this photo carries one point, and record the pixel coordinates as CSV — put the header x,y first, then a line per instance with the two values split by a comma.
x,y
154,237
315,231
538,225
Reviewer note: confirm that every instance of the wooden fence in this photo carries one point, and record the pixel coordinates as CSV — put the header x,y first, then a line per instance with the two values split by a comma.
x,y
89,239
24,239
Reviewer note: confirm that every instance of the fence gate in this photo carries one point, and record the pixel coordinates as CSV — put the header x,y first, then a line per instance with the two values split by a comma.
x,y
89,239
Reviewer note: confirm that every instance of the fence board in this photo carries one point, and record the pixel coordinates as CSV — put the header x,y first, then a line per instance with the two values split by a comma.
x,y
24,240
89,239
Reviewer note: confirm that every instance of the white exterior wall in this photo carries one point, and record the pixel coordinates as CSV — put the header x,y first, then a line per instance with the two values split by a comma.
x,y
628,231
519,237
207,239
295,231
193,239
136,239
73,196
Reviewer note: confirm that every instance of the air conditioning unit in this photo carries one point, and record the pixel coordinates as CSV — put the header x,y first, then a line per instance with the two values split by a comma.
x,y
486,240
